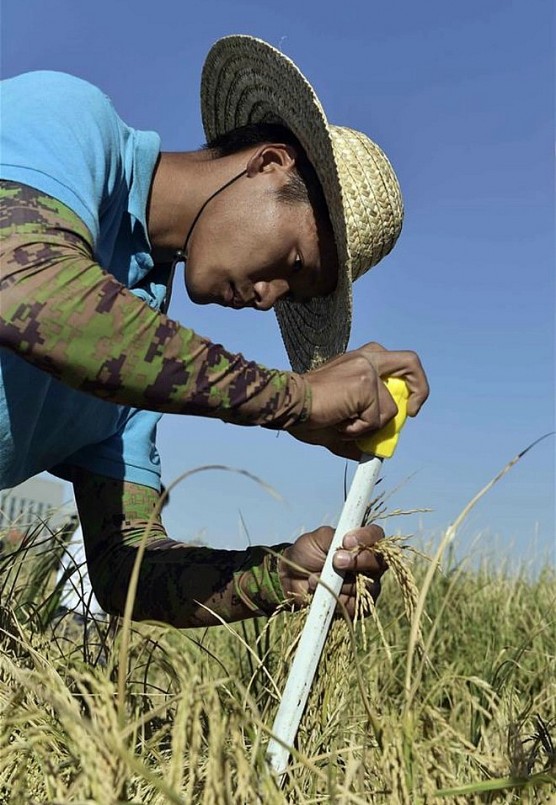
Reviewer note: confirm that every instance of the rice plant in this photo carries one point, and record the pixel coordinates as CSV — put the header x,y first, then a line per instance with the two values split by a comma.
x,y
444,691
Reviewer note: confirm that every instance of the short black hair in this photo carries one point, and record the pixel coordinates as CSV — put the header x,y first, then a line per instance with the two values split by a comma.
x,y
304,186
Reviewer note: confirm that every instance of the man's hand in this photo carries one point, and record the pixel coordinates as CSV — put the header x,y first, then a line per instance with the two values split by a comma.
x,y
303,561
350,397
329,438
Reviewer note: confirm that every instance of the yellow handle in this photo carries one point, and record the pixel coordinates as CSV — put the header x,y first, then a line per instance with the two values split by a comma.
x,y
383,442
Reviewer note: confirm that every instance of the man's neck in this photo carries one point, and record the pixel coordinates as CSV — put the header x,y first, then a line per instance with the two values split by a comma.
x,y
181,184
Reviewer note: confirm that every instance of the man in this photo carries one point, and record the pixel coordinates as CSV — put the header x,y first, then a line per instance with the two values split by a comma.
x,y
281,210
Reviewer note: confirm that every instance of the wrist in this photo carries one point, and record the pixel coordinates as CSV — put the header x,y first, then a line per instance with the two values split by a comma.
x,y
258,583
296,401
306,397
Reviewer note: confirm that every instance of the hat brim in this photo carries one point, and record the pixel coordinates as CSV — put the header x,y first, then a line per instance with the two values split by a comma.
x,y
245,80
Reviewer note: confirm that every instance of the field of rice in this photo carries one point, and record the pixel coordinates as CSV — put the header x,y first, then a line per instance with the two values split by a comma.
x,y
445,693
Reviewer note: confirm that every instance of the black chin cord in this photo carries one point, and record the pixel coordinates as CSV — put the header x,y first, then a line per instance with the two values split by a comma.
x,y
181,255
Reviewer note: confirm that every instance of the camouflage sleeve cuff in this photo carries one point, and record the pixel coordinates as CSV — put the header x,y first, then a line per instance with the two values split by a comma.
x,y
305,396
296,406
257,583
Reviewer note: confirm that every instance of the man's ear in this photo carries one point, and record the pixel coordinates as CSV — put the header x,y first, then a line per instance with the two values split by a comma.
x,y
271,157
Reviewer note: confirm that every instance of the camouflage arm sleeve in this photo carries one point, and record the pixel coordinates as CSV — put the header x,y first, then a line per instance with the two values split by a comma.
x,y
62,313
178,584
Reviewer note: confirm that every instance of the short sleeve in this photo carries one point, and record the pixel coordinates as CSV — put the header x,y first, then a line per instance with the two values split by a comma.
x,y
130,454
62,136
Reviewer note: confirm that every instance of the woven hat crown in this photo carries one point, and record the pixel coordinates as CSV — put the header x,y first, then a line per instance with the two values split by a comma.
x,y
372,199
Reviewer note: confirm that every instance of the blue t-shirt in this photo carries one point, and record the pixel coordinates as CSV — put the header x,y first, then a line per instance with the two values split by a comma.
x,y
62,136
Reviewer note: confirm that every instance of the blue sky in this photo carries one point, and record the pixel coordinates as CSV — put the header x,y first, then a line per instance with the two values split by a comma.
x,y
461,97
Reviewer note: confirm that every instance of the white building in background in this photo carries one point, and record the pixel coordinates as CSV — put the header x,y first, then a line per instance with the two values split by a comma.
x,y
34,501
78,595
40,500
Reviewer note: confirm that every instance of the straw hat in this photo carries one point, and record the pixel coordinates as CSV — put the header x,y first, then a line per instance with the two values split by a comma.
x,y
246,80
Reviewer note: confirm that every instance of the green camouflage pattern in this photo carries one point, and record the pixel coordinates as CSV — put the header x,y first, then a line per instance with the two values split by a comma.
x,y
67,316
179,584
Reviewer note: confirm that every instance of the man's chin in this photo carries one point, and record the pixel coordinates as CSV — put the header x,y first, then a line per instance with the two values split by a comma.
x,y
203,295
203,300
199,297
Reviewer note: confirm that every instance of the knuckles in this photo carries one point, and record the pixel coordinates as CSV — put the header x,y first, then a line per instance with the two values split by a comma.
x,y
374,346
374,533
366,536
324,532
363,366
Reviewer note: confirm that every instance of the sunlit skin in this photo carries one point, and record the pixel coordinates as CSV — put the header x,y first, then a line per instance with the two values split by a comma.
x,y
264,250
249,248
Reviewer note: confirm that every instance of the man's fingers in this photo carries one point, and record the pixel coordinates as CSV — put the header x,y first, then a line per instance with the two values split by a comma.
x,y
362,560
329,438
404,364
373,346
363,537
355,558
349,395
356,554
376,416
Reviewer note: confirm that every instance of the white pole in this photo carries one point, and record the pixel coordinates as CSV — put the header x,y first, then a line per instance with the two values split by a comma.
x,y
320,614
380,444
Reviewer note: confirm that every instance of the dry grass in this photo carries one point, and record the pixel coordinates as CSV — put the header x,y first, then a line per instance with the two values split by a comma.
x,y
198,705
446,693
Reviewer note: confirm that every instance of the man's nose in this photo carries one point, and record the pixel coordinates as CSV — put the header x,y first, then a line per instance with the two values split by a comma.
x,y
267,293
